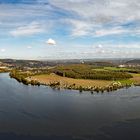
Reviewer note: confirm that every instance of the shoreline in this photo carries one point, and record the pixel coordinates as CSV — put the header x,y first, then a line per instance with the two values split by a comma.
x,y
57,84
82,77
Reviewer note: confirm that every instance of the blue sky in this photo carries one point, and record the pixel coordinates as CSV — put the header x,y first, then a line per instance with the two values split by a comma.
x,y
69,29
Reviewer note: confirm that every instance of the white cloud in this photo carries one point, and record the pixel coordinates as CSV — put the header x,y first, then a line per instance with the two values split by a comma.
x,y
51,42
29,47
86,28
102,10
93,16
115,50
112,31
80,28
100,46
2,50
27,30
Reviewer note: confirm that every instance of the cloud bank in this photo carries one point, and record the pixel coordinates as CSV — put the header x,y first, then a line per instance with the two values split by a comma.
x,y
112,27
27,30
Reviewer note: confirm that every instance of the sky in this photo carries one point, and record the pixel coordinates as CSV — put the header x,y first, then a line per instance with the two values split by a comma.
x,y
69,29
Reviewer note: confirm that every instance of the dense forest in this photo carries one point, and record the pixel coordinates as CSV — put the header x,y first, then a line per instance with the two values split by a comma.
x,y
89,72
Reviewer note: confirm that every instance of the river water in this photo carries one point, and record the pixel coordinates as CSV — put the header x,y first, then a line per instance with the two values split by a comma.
x,y
42,113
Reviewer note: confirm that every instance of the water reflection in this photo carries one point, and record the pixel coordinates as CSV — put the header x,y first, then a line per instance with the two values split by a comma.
x,y
43,113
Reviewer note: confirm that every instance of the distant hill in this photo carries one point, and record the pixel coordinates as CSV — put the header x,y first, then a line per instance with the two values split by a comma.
x,y
134,61
25,63
39,63
44,63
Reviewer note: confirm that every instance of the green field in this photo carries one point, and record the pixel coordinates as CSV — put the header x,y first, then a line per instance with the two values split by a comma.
x,y
117,69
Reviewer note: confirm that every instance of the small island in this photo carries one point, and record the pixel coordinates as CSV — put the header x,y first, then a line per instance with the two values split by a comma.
x,y
82,77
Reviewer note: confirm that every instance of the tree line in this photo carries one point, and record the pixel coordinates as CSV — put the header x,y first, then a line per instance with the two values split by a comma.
x,y
87,72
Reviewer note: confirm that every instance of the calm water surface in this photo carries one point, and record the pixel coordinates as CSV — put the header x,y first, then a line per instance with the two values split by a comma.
x,y
41,113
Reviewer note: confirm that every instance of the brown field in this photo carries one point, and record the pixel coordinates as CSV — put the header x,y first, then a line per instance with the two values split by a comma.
x,y
136,78
46,79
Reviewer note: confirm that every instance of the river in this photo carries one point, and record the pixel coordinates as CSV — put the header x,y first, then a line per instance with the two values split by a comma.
x,y
42,113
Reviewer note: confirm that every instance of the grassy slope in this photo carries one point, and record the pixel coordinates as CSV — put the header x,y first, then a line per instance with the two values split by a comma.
x,y
81,82
69,81
136,78
116,68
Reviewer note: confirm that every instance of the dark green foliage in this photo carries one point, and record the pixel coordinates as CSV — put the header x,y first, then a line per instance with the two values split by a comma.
x,y
21,77
80,89
87,72
54,84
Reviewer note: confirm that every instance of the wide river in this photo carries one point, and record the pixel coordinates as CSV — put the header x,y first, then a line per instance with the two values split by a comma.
x,y
41,113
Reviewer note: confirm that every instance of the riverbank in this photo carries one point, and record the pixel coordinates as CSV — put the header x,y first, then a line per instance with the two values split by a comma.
x,y
79,77
60,82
